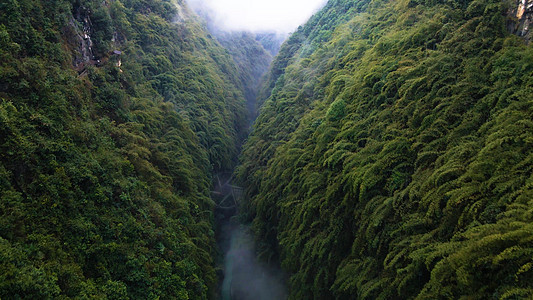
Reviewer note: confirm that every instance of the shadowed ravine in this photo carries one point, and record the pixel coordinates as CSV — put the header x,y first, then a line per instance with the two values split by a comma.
x,y
244,277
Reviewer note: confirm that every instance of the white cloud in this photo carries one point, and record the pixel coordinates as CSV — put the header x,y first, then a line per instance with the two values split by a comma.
x,y
282,16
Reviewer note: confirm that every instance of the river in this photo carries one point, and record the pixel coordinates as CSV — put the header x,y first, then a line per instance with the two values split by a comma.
x,y
244,277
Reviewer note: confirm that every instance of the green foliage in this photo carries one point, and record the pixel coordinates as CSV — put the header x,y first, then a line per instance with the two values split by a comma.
x,y
252,62
392,158
105,165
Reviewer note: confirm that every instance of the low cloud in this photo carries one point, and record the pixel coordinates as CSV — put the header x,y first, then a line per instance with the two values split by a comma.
x,y
281,16
246,278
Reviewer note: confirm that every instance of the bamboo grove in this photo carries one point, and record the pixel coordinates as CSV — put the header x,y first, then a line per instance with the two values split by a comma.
x,y
393,154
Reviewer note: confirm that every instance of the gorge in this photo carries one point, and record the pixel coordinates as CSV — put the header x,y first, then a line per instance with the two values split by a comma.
x,y
384,151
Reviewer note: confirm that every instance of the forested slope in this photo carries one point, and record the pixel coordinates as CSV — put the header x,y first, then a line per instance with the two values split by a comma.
x,y
251,52
252,61
113,116
393,154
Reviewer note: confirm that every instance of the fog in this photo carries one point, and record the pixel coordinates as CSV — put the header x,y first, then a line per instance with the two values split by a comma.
x,y
244,277
280,16
247,278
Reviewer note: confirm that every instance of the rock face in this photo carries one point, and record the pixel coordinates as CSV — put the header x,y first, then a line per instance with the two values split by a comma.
x,y
82,28
521,15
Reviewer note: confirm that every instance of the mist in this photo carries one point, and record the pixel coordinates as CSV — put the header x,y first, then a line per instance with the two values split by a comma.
x,y
247,278
244,276
280,16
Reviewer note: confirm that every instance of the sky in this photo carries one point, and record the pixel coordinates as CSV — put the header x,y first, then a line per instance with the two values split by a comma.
x,y
281,16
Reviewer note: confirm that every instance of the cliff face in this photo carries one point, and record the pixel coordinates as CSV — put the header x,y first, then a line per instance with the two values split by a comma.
x,y
392,157
113,115
521,19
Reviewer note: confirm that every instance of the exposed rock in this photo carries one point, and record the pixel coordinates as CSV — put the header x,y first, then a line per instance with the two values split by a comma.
x,y
521,16
78,34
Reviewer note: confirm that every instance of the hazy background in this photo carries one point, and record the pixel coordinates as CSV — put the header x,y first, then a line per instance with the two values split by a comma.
x,y
280,16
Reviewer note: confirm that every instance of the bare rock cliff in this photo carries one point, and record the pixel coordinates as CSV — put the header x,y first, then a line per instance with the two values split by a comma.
x,y
521,16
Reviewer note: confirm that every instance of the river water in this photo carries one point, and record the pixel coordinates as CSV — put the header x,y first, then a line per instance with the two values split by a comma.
x,y
244,277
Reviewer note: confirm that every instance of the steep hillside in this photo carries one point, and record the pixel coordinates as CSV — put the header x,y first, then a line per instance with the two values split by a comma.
x,y
113,115
271,41
252,62
393,154
246,49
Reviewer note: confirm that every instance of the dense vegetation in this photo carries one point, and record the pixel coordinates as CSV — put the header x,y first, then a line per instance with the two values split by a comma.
x,y
251,52
271,41
393,154
113,115
251,59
